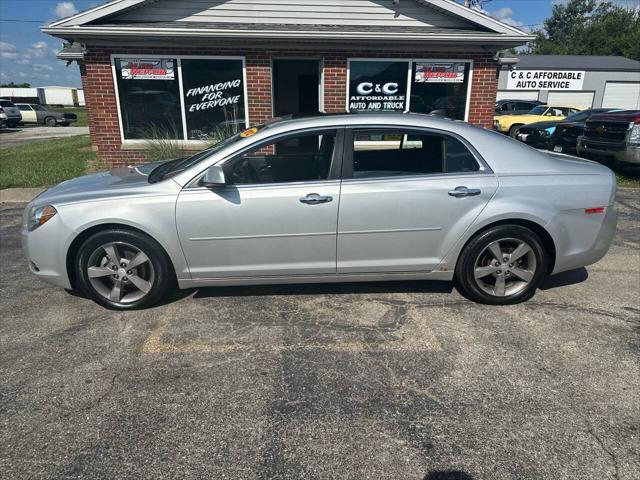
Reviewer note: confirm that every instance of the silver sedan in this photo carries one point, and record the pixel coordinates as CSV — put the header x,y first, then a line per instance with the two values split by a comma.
x,y
327,199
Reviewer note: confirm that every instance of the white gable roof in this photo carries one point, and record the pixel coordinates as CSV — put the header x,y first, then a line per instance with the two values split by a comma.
x,y
337,19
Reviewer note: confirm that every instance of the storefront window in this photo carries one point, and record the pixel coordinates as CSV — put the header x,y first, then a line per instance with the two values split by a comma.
x,y
149,97
213,98
439,87
151,100
377,85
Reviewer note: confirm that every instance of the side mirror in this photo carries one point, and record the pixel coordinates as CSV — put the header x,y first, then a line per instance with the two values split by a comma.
x,y
214,177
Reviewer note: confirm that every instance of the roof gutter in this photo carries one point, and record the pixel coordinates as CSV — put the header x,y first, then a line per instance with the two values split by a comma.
x,y
79,32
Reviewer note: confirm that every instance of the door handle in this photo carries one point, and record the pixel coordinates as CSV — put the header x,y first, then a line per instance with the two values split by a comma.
x,y
460,192
315,199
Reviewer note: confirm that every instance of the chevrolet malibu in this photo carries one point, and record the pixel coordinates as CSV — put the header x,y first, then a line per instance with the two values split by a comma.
x,y
327,199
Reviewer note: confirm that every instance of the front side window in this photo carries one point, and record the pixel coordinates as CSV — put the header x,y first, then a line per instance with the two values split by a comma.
x,y
39,108
525,106
298,158
384,153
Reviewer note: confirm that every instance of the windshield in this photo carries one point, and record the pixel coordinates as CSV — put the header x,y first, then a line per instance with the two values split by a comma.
x,y
172,167
538,110
580,116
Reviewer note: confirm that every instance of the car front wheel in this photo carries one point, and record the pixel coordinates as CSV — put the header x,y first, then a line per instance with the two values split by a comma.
x,y
513,131
50,122
123,270
502,266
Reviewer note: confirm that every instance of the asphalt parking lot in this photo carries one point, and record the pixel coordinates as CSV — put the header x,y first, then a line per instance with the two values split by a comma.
x,y
32,133
378,381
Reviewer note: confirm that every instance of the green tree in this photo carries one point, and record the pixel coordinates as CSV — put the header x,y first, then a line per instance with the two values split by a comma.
x,y
589,27
15,85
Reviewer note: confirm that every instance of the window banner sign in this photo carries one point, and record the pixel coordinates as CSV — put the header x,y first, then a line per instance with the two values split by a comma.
x,y
440,72
545,80
213,93
377,85
147,69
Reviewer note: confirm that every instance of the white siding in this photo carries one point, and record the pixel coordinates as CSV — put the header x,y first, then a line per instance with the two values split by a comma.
x,y
407,13
577,99
18,92
621,95
517,95
58,96
81,98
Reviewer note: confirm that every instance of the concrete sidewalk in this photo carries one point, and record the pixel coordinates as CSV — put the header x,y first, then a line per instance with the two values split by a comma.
x,y
19,195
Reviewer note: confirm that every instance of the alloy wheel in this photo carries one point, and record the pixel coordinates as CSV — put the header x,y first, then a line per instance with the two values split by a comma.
x,y
505,267
120,272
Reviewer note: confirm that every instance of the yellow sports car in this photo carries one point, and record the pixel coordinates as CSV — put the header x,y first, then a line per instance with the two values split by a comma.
x,y
510,123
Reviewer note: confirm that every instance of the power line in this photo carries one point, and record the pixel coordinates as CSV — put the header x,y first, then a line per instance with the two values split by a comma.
x,y
17,20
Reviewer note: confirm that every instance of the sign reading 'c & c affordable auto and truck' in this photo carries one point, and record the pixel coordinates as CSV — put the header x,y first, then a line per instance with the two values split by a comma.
x,y
545,80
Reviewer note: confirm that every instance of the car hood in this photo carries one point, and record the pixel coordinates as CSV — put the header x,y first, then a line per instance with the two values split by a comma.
x,y
117,182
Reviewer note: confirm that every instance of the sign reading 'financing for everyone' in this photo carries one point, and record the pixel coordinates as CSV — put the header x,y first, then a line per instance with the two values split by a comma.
x,y
545,80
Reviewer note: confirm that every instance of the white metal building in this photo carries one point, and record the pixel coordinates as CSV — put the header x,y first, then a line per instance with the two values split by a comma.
x,y
581,80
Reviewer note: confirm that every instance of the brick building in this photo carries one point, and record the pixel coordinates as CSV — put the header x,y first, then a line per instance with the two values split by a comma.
x,y
195,71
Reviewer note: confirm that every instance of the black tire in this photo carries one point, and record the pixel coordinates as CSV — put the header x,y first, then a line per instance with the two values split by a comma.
x,y
50,122
514,130
475,289
163,278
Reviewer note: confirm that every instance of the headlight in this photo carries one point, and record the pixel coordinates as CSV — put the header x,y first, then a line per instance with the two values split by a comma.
x,y
40,215
634,134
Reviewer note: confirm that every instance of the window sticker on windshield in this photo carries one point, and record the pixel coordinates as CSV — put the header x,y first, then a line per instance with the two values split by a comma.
x,y
249,132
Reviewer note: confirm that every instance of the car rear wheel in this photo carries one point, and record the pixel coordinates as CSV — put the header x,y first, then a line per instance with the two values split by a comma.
x,y
502,266
123,270
50,122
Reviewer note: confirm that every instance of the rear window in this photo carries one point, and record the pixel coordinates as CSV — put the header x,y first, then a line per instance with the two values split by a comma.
x,y
6,103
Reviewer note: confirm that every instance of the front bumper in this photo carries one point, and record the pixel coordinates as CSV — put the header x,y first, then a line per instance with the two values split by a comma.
x,y
533,139
499,128
45,251
618,152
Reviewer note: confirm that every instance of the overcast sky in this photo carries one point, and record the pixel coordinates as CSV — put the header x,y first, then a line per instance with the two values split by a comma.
x,y
27,55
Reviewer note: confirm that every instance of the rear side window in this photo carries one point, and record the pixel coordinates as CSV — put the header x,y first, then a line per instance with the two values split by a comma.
x,y
24,108
384,153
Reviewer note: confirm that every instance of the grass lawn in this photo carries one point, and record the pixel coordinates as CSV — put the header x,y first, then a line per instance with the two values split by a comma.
x,y
629,178
45,163
81,112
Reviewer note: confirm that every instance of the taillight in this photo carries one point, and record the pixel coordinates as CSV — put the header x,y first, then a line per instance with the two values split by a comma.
x,y
594,210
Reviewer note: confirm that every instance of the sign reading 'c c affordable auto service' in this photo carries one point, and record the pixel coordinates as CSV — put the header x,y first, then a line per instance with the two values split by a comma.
x,y
545,80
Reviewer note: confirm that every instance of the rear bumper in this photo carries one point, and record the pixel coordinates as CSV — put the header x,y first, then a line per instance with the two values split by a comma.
x,y
582,239
619,152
